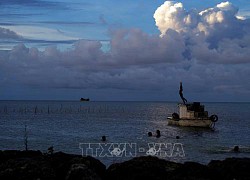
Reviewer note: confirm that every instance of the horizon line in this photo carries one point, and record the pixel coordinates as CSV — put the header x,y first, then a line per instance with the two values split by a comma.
x,y
169,101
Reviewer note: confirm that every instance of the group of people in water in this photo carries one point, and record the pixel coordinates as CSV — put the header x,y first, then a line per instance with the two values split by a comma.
x,y
150,134
158,134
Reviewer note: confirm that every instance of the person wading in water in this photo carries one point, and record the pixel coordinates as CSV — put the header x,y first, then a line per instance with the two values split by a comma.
x,y
181,94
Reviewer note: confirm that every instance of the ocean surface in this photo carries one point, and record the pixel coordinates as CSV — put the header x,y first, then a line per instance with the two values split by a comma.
x,y
67,124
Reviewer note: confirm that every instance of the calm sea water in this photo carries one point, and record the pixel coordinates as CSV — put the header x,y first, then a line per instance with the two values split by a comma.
x,y
65,124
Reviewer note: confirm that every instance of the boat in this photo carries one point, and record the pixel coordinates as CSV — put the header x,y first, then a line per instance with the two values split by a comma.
x,y
192,115
83,99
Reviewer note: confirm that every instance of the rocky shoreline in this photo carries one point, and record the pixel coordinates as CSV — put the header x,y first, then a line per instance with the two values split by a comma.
x,y
34,165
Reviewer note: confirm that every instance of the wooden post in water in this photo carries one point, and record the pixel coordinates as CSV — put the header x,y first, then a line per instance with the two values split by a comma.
x,y
35,109
25,138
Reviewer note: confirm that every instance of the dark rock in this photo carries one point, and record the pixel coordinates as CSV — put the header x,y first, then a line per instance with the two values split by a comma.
x,y
30,165
141,168
60,163
64,165
80,172
13,154
154,168
25,165
35,165
231,168
192,170
92,163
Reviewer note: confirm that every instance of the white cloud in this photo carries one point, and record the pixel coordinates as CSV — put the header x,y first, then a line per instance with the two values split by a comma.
x,y
214,35
203,49
172,15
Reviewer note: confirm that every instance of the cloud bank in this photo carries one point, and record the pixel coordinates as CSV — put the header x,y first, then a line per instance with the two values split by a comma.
x,y
209,51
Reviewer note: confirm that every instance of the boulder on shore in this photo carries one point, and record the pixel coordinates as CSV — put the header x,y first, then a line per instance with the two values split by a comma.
x,y
30,165
155,168
35,165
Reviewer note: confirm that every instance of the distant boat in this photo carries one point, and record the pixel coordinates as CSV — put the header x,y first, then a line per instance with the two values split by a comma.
x,y
83,99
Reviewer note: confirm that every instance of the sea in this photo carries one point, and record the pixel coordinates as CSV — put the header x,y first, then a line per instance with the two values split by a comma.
x,y
77,127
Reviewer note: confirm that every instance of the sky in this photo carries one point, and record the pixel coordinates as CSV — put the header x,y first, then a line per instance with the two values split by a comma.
x,y
125,50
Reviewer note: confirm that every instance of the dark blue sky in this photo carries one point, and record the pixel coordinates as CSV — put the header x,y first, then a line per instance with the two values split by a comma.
x,y
125,50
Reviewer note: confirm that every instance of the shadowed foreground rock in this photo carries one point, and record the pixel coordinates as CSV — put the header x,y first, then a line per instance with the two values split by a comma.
x,y
142,168
232,168
154,168
27,165
35,165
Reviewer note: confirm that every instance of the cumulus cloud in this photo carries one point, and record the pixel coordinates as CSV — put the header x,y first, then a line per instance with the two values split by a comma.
x,y
135,47
172,15
203,49
214,35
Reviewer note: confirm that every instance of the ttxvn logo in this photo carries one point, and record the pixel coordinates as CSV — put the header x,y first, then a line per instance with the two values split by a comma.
x,y
131,149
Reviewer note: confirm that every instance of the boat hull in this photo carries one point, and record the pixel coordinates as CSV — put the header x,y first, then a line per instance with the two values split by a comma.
x,y
191,122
